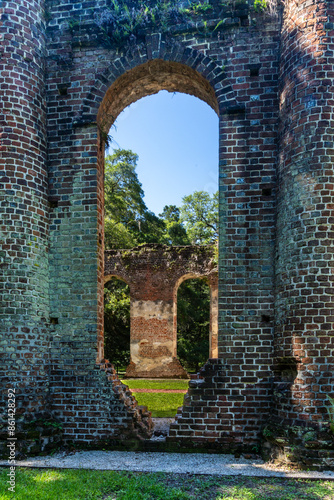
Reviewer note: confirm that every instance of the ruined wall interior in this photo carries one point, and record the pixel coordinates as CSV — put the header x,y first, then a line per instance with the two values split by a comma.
x,y
154,273
64,80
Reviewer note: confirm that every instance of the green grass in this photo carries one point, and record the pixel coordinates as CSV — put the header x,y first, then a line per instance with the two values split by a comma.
x,y
65,484
160,404
156,384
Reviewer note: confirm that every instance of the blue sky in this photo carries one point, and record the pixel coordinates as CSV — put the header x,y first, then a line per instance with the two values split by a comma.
x,y
176,139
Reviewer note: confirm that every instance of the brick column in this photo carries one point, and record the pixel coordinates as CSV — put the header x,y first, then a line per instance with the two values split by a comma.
x,y
153,342
24,308
304,253
213,350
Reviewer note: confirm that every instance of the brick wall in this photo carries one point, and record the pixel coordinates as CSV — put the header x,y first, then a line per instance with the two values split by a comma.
x,y
154,273
271,87
304,252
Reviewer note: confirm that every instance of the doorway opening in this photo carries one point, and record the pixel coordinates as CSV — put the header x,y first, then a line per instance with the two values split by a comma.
x,y
193,324
117,323
146,80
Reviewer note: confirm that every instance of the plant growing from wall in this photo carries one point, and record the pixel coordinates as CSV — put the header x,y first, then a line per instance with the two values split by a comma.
x,y
331,413
260,5
198,8
120,24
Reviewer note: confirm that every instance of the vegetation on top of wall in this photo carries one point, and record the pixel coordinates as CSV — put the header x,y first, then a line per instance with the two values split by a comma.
x,y
120,23
125,23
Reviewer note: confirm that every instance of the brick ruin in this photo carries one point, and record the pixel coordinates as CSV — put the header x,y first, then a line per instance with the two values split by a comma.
x,y
154,273
269,76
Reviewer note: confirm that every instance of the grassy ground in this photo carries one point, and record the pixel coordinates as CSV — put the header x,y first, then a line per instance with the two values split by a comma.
x,y
143,383
160,404
34,484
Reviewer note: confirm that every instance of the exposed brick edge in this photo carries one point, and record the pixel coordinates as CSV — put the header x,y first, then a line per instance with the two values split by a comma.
x,y
139,421
215,414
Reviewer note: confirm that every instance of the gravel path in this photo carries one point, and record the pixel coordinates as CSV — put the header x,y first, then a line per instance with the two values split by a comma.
x,y
185,463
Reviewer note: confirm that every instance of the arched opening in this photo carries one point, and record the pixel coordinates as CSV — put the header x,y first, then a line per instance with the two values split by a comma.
x,y
144,80
117,323
196,320
193,323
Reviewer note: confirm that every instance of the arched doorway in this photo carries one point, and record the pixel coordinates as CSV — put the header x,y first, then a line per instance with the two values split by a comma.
x,y
196,320
117,323
143,80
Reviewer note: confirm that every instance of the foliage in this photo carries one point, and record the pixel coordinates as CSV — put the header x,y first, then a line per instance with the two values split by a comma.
x,y
331,412
82,484
120,24
199,214
150,229
117,235
193,323
175,233
117,322
124,205
260,5
128,222
197,8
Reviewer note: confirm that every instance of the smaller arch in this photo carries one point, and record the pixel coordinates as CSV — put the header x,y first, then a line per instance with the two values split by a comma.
x,y
117,317
108,277
212,281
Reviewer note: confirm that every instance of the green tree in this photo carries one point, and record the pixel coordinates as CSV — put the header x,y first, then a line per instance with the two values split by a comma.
x,y
124,205
175,233
149,229
128,222
199,214
117,322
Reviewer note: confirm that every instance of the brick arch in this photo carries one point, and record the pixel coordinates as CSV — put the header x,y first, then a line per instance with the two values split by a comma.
x,y
117,276
163,65
153,272
132,77
212,281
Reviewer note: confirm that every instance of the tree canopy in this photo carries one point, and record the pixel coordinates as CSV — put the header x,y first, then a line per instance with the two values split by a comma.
x,y
199,215
128,222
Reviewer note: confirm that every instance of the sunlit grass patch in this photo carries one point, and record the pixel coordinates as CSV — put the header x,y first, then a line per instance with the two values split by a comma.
x,y
49,475
156,384
160,404
87,485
